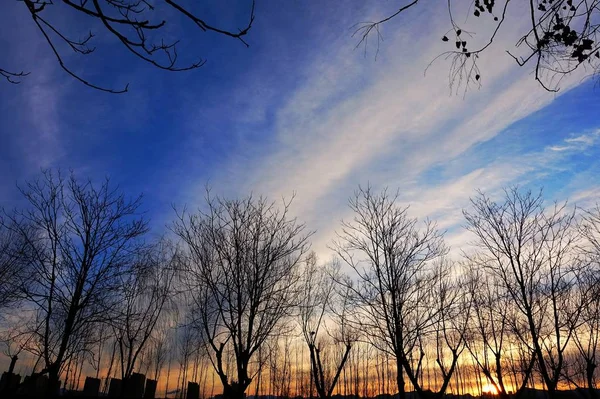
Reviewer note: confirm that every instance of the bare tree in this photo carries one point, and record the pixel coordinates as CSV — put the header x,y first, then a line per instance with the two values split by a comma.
x,y
490,336
453,307
587,335
320,303
80,238
159,350
145,294
531,251
136,25
393,260
244,258
279,364
13,271
561,37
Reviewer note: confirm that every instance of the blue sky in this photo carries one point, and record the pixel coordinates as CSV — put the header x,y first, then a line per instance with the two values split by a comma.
x,y
300,111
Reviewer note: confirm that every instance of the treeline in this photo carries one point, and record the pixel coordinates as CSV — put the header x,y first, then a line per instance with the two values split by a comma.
x,y
232,298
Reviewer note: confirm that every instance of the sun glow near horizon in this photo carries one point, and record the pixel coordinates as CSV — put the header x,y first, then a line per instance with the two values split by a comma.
x,y
489,389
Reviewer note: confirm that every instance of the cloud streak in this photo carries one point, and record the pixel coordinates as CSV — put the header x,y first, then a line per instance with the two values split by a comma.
x,y
308,114
390,128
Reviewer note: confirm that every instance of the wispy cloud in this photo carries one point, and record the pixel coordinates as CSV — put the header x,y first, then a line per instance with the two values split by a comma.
x,y
578,143
32,128
339,129
587,198
310,115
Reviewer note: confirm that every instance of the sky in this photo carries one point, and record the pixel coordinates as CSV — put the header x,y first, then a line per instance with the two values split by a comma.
x,y
301,112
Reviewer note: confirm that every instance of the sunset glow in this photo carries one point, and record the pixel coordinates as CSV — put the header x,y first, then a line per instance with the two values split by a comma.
x,y
489,389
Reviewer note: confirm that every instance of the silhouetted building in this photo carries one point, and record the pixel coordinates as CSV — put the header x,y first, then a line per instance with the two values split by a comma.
x,y
133,387
91,387
34,386
150,390
193,390
114,389
9,382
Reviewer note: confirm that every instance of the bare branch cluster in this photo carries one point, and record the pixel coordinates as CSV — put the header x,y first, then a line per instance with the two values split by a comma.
x,y
562,37
134,23
325,325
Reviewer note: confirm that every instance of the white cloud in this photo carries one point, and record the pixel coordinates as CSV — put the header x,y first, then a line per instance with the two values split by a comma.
x,y
587,198
356,121
328,141
578,143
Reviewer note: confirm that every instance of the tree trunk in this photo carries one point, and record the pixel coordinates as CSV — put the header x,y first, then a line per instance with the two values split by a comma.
x,y
400,379
13,361
53,382
590,379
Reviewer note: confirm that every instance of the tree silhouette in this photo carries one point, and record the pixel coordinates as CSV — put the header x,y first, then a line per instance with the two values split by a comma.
x,y
531,251
393,262
144,294
243,274
491,335
79,239
13,271
320,301
587,337
520,310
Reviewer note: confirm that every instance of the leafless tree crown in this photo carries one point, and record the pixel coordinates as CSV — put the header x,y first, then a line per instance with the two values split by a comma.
x,y
79,238
244,258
